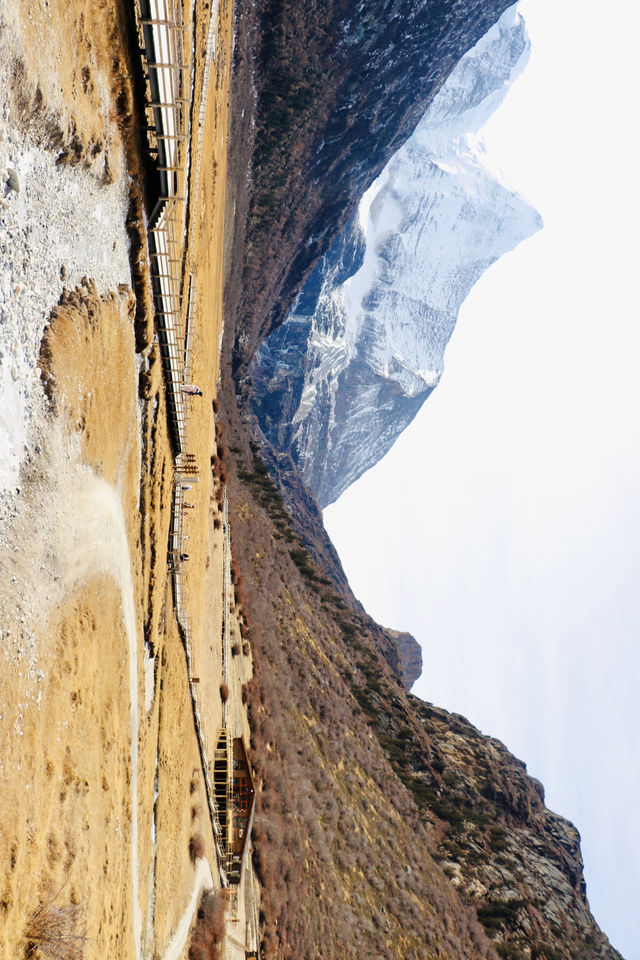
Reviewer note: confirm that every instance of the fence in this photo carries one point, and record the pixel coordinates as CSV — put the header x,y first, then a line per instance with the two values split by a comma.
x,y
167,64
168,67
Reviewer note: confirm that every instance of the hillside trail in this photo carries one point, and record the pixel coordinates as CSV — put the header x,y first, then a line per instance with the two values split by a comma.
x,y
94,541
202,881
70,527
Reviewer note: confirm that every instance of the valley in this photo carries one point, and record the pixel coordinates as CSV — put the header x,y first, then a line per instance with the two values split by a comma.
x,y
207,747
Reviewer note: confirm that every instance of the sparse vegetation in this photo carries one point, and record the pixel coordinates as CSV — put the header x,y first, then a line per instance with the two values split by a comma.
x,y
196,847
208,935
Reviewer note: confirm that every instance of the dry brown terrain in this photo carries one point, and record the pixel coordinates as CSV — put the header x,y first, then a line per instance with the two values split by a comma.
x,y
92,530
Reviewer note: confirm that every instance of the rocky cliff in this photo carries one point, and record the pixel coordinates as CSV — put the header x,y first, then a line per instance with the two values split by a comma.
x,y
363,346
410,653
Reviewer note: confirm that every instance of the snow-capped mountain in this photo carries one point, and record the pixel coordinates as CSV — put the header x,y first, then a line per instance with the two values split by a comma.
x,y
364,344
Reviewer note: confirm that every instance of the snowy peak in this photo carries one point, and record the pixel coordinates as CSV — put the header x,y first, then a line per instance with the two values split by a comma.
x,y
479,83
364,343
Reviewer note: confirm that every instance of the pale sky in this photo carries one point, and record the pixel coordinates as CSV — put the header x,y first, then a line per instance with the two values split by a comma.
x,y
510,539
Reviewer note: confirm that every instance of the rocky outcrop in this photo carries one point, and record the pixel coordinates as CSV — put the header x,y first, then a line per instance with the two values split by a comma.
x,y
410,657
518,862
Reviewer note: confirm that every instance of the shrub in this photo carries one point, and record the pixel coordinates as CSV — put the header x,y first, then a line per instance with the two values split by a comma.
x,y
235,649
509,952
196,847
499,913
246,649
545,951
224,692
208,935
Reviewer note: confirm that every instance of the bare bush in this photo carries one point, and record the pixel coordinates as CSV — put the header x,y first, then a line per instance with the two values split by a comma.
x,y
208,936
196,847
56,931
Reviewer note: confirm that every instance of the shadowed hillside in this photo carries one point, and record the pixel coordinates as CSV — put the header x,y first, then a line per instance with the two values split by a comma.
x,y
340,85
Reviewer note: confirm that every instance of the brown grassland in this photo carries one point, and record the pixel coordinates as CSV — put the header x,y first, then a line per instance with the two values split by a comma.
x,y
65,726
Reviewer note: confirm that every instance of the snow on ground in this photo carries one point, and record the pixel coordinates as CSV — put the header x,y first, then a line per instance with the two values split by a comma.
x,y
59,523
58,224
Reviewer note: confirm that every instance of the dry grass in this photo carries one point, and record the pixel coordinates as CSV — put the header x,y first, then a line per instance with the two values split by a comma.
x,y
67,783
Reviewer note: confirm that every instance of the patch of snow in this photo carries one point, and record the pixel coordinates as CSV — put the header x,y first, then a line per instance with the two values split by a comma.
x,y
61,226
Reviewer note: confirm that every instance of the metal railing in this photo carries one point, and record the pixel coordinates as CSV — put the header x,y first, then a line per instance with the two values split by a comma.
x,y
168,66
167,63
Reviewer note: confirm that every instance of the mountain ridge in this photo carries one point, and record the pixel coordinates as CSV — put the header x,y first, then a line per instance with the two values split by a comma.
x,y
339,86
363,346
420,836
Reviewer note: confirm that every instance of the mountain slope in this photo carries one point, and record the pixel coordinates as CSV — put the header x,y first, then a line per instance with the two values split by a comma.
x,y
384,827
363,346
340,85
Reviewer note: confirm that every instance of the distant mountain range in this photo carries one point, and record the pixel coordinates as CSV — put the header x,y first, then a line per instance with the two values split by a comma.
x,y
363,346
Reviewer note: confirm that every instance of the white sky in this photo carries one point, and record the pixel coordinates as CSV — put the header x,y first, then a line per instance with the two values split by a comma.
x,y
503,529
